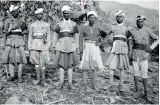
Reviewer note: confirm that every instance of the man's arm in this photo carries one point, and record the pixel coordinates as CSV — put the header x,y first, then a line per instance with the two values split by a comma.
x,y
155,37
48,36
25,33
129,37
55,35
76,36
30,37
81,40
5,32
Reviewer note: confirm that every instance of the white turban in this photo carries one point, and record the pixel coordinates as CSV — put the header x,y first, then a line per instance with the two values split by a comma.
x,y
92,13
120,12
141,17
12,8
39,10
66,8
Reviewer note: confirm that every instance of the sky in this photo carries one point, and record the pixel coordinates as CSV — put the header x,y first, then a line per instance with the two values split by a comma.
x,y
152,4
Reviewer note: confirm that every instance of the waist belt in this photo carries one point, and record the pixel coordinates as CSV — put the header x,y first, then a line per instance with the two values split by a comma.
x,y
141,47
15,33
120,38
65,34
39,37
89,41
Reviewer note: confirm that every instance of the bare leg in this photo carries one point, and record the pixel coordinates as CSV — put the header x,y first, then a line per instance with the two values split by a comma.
x,y
121,80
93,78
145,85
11,70
136,83
20,70
70,74
38,72
111,72
43,73
85,79
61,71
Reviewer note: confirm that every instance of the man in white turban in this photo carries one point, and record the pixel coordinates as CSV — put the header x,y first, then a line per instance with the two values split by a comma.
x,y
66,8
38,44
15,30
92,13
120,12
140,51
65,43
39,11
141,17
90,37
118,59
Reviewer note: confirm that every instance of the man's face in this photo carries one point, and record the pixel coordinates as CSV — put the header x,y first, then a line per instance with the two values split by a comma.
x,y
39,16
66,14
140,23
14,13
119,18
91,19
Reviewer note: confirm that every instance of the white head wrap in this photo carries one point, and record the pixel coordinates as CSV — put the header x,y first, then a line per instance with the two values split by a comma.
x,y
141,17
92,13
39,10
66,8
120,12
12,8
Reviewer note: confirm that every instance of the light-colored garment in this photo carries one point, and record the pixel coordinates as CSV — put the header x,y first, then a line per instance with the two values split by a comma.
x,y
91,58
40,57
39,29
14,50
119,46
66,44
141,36
66,36
140,68
118,58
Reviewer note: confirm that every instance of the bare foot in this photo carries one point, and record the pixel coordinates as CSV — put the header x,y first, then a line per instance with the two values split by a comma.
x,y
36,82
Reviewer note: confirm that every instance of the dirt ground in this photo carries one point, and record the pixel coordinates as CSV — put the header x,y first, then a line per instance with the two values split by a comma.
x,y
104,94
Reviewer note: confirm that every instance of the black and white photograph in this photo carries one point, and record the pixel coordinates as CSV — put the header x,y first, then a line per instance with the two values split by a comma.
x,y
79,52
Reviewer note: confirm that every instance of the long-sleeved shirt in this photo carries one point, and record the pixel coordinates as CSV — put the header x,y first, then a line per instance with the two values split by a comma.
x,y
141,37
90,33
39,36
14,30
66,36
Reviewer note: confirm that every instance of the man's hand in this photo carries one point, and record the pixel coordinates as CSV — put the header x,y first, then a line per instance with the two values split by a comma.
x,y
81,54
130,57
129,54
52,49
3,47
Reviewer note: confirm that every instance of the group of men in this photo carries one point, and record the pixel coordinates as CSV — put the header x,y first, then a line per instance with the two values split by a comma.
x,y
68,40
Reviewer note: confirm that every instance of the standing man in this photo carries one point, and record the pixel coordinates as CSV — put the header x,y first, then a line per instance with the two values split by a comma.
x,y
118,59
140,52
66,43
89,41
38,44
14,32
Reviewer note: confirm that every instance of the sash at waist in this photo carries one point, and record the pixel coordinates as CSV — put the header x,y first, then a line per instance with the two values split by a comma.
x,y
89,41
39,37
65,34
119,38
141,47
15,33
